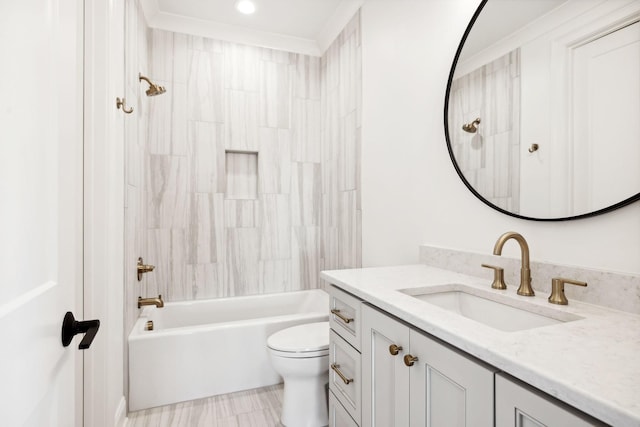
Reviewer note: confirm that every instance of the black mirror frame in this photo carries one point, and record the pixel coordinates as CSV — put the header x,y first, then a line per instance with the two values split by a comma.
x,y
613,207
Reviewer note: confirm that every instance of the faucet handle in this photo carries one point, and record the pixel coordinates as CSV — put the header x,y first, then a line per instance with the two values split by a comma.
x,y
557,289
498,276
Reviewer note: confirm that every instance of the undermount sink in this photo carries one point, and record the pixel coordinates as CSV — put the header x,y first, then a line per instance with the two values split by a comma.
x,y
492,309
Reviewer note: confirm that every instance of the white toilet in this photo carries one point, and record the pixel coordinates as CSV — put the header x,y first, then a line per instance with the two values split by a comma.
x,y
300,354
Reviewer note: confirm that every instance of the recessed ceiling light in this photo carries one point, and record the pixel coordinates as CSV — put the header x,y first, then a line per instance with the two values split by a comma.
x,y
245,6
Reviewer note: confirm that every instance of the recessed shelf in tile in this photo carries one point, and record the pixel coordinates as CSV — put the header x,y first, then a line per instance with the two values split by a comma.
x,y
242,175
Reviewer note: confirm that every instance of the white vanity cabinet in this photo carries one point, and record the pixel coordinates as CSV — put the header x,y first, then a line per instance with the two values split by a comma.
x,y
411,379
519,405
345,383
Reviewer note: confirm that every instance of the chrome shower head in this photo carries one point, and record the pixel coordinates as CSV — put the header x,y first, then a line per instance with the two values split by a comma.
x,y
154,89
471,127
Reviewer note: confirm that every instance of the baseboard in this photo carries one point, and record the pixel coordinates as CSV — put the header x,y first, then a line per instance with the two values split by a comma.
x,y
121,414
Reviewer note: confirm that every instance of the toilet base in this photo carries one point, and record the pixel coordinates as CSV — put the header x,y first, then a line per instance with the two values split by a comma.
x,y
305,402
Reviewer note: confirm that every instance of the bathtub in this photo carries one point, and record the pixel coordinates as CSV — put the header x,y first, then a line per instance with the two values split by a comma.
x,y
210,347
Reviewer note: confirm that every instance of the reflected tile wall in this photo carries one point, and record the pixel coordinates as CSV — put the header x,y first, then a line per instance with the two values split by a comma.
x,y
489,159
300,114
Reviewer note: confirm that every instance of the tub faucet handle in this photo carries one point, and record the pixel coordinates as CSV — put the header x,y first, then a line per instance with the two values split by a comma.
x,y
143,268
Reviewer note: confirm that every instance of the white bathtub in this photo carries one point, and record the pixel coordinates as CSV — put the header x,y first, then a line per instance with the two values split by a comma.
x,y
204,348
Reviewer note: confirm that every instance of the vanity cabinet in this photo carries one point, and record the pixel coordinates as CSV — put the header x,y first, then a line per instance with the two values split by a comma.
x,y
519,405
411,379
345,383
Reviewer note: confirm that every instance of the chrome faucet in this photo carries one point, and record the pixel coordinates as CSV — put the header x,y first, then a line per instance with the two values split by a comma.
x,y
525,271
151,301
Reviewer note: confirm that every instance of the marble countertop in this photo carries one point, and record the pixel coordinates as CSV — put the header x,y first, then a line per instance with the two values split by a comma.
x,y
592,364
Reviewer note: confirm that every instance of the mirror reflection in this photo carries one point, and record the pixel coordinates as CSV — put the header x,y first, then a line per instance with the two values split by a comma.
x,y
544,106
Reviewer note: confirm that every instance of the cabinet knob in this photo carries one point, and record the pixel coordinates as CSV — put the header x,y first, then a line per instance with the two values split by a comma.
x,y
409,359
394,349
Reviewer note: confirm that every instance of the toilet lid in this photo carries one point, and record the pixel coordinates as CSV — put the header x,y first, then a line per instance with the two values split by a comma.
x,y
302,338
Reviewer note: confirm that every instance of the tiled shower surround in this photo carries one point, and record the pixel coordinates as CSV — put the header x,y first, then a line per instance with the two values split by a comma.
x,y
491,93
244,177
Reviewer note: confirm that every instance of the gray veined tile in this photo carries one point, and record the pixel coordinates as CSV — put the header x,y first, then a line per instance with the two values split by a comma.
x,y
306,194
241,263
242,175
167,120
206,44
305,255
347,229
169,59
206,157
347,161
275,242
307,81
275,95
241,67
274,161
205,89
348,81
275,276
242,213
203,239
305,144
205,280
241,120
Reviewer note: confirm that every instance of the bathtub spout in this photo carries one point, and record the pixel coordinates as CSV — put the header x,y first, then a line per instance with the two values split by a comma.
x,y
158,302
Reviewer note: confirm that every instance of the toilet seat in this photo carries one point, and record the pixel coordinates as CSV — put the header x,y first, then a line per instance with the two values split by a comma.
x,y
308,340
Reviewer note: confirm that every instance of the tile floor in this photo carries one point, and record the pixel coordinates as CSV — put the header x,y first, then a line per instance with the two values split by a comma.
x,y
252,408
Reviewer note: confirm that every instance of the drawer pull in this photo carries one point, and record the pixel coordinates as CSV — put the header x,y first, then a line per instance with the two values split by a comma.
x,y
341,316
395,349
336,368
409,359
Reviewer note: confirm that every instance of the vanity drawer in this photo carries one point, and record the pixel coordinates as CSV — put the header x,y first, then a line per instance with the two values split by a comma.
x,y
338,416
345,375
345,315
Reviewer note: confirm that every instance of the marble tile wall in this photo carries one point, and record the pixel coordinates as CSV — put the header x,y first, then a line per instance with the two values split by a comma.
x,y
490,158
135,142
341,77
247,168
620,291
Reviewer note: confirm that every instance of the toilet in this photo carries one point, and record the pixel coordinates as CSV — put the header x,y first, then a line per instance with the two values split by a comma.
x,y
300,354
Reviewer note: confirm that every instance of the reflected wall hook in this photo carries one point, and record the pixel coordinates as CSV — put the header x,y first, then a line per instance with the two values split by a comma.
x,y
121,103
534,147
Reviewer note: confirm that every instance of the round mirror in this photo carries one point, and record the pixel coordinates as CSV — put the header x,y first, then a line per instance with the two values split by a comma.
x,y
542,111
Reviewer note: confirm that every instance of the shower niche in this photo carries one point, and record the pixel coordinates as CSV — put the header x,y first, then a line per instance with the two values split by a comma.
x,y
241,175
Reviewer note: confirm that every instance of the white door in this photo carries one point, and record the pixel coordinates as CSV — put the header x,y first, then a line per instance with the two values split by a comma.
x,y
40,210
606,74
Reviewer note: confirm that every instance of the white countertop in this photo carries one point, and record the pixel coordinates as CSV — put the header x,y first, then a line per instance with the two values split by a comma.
x,y
592,364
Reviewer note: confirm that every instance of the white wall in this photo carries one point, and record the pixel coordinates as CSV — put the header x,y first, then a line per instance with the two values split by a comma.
x,y
411,194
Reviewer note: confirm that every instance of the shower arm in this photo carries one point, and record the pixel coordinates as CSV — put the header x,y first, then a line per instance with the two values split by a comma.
x,y
141,78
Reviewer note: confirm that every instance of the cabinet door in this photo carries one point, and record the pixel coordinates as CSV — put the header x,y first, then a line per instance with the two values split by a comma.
x,y
448,388
518,405
385,378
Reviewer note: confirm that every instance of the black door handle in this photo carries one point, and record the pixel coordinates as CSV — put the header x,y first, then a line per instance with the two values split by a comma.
x,y
71,327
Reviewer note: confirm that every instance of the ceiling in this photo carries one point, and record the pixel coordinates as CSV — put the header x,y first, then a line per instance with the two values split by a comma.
x,y
303,26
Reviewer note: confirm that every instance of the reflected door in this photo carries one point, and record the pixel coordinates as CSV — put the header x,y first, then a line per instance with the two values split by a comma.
x,y
606,138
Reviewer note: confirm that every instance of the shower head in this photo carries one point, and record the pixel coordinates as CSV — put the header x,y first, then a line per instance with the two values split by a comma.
x,y
154,89
471,127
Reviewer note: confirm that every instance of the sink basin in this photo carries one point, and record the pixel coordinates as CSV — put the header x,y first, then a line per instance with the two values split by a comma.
x,y
492,309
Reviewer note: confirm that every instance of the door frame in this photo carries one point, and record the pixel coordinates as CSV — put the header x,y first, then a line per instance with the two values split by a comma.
x,y
104,402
